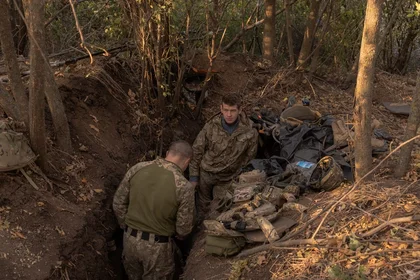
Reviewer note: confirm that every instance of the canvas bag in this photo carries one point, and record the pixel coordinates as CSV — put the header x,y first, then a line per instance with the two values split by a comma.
x,y
15,152
224,245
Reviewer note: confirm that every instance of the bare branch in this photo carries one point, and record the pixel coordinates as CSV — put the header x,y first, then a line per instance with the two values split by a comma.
x,y
82,43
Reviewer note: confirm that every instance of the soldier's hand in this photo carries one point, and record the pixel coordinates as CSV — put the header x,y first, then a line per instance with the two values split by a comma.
x,y
194,184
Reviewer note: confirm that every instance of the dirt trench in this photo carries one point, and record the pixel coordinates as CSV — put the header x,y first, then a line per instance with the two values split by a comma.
x,y
64,229
105,124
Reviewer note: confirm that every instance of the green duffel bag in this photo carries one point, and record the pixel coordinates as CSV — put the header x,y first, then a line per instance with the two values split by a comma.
x,y
224,245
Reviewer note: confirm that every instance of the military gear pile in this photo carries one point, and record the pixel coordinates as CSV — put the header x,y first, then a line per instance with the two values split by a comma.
x,y
254,206
302,135
15,152
301,151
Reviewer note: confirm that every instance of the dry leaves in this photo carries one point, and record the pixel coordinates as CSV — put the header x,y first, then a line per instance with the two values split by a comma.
x,y
60,231
94,128
17,234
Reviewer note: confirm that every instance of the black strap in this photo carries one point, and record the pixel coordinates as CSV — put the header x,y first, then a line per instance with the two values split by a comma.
x,y
146,236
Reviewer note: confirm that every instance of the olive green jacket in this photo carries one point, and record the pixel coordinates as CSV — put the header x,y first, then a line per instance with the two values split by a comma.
x,y
155,197
217,152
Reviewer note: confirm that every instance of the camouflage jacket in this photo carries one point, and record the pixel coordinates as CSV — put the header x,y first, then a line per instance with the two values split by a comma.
x,y
184,195
217,152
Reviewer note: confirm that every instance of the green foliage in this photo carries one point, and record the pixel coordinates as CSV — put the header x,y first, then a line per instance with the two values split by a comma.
x,y
102,22
105,23
336,272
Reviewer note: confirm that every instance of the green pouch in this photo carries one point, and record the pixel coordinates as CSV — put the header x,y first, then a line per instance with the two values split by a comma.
x,y
224,245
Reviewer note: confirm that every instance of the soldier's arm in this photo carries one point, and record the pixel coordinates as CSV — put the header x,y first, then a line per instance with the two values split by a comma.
x,y
185,214
122,195
199,148
252,148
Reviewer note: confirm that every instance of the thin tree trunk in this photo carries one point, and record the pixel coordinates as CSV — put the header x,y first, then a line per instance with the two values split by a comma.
x,y
410,132
269,30
20,36
309,35
9,52
58,112
251,26
289,33
158,26
8,104
55,103
34,10
389,25
364,88
243,25
404,51
317,50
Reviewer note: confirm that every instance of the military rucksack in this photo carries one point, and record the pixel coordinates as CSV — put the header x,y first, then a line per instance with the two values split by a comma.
x,y
224,245
221,241
327,175
15,152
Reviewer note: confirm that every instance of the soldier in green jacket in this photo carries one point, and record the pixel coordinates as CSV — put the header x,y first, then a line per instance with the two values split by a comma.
x,y
153,203
225,145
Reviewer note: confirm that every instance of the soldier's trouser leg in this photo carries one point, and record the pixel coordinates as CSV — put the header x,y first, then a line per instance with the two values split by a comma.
x,y
146,259
205,193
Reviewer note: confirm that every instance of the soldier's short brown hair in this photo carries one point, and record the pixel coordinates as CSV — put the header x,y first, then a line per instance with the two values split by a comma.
x,y
181,148
232,100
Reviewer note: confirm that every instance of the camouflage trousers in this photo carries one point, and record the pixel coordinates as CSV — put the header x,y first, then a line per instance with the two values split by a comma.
x,y
147,259
211,186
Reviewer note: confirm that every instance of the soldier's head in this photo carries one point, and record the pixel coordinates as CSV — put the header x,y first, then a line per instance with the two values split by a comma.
x,y
180,153
230,108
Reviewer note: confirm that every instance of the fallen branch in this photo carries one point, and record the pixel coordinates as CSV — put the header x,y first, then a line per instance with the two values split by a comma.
x,y
390,241
115,50
391,222
29,179
376,252
109,51
38,171
280,245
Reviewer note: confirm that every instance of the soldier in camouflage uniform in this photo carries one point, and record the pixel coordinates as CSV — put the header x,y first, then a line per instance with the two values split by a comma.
x,y
153,203
225,145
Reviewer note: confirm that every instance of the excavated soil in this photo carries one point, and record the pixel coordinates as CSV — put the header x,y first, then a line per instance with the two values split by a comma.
x,y
61,231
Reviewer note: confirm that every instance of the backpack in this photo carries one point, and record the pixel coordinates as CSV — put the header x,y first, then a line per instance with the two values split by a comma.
x,y
327,175
224,245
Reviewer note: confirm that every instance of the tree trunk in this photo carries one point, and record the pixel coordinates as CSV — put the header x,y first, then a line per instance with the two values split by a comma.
x,y
364,88
309,36
34,10
55,103
9,52
404,51
269,30
20,36
389,25
289,33
410,132
316,52
8,104
58,112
